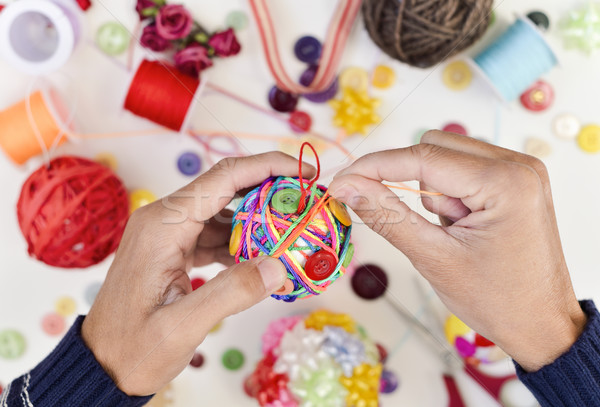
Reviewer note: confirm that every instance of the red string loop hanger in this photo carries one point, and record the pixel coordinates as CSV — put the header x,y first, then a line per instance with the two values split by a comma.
x,y
303,190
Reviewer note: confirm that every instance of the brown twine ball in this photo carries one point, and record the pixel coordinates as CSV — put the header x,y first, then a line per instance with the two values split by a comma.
x,y
423,33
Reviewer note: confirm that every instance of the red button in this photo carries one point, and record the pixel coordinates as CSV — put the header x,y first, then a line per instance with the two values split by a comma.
x,y
300,122
455,128
538,97
53,324
197,283
198,360
320,265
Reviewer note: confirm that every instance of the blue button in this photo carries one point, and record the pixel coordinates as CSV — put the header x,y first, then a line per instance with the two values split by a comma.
x,y
308,49
189,163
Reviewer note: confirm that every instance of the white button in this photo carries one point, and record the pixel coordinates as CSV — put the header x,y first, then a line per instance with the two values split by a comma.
x,y
538,148
566,126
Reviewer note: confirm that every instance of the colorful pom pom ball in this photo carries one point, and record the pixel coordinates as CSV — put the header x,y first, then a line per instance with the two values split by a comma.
x,y
471,346
299,224
72,212
319,359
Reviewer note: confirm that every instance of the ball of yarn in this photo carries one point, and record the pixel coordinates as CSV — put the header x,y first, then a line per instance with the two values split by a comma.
x,y
311,237
423,33
72,212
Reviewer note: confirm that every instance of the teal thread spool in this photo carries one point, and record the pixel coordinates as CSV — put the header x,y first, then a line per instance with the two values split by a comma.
x,y
516,59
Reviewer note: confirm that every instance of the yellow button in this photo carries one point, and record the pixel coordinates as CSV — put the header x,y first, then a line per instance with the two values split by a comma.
x,y
339,211
457,75
383,77
216,328
108,160
236,238
354,78
454,328
589,138
139,198
65,306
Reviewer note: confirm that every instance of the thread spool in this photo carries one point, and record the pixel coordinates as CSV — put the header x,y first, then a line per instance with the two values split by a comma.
x,y
38,36
33,125
518,58
162,94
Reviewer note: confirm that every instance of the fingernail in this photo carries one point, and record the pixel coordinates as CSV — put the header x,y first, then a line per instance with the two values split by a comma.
x,y
273,274
347,194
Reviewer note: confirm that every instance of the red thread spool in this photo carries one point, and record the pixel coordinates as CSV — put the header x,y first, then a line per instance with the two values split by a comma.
x,y
161,93
72,212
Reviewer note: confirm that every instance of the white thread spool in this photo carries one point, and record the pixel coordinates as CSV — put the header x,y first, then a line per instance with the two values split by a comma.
x,y
38,36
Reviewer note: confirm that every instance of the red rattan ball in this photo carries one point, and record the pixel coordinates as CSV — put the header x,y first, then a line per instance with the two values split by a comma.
x,y
72,212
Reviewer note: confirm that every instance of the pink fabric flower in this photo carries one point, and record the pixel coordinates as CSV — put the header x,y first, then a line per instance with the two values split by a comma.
x,y
174,22
225,43
142,5
274,332
152,40
192,60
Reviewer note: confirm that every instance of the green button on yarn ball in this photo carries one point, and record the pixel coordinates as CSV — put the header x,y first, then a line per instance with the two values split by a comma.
x,y
233,359
349,255
112,38
286,200
12,344
238,20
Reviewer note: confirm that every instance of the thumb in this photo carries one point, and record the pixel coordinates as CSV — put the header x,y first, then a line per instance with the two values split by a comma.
x,y
231,291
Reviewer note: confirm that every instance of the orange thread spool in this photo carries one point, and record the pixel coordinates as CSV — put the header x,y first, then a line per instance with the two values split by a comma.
x,y
18,130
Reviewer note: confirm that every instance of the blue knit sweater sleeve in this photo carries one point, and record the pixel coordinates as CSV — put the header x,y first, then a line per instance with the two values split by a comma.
x,y
574,378
69,376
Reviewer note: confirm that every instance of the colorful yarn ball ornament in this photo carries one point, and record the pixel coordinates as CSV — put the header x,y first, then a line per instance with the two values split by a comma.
x,y
72,212
296,221
321,359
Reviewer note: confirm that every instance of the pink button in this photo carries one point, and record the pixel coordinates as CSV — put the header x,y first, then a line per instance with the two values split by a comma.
x,y
455,128
53,324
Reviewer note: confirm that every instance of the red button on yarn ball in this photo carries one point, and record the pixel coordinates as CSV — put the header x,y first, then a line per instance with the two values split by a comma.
x,y
320,265
72,212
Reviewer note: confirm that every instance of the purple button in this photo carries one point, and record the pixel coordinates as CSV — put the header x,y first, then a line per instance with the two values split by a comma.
x,y
198,360
282,101
308,49
189,163
388,382
369,282
319,97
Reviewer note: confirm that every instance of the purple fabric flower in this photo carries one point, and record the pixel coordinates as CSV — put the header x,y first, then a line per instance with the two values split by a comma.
x,y
174,22
192,60
225,43
152,40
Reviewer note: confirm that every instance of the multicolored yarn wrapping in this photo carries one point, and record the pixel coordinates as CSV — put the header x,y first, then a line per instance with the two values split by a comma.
x,y
292,237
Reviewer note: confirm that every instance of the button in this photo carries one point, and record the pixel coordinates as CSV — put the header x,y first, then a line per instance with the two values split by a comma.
x,y
537,147
216,328
236,238
340,212
238,20
112,38
233,359
566,126
464,347
388,382
457,75
369,282
455,128
349,256
139,198
189,163
197,283
108,160
300,122
589,138
282,101
308,49
383,353
483,341
354,78
286,201
540,19
198,360
91,292
287,288
538,97
453,328
319,97
53,324
320,265
383,77
65,306
12,344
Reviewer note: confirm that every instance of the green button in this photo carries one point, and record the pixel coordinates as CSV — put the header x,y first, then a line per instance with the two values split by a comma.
x,y
12,344
286,201
349,255
238,20
112,38
233,359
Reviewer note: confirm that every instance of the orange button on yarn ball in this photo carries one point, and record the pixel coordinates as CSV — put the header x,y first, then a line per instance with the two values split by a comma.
x,y
339,211
236,238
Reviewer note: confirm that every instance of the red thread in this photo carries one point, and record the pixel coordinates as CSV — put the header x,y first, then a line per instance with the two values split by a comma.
x,y
161,93
72,212
303,190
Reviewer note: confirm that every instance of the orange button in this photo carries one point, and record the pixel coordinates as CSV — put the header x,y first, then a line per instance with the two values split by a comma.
x,y
236,238
339,211
287,288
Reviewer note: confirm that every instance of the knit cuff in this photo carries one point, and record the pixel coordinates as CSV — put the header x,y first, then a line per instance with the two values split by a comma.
x,y
71,376
574,378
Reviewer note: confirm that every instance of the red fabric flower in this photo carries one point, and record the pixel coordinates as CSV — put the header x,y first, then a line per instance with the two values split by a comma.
x,y
174,22
152,40
143,5
192,60
264,384
225,43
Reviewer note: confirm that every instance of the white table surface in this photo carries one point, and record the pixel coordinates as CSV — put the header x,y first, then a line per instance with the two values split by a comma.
x,y
419,100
